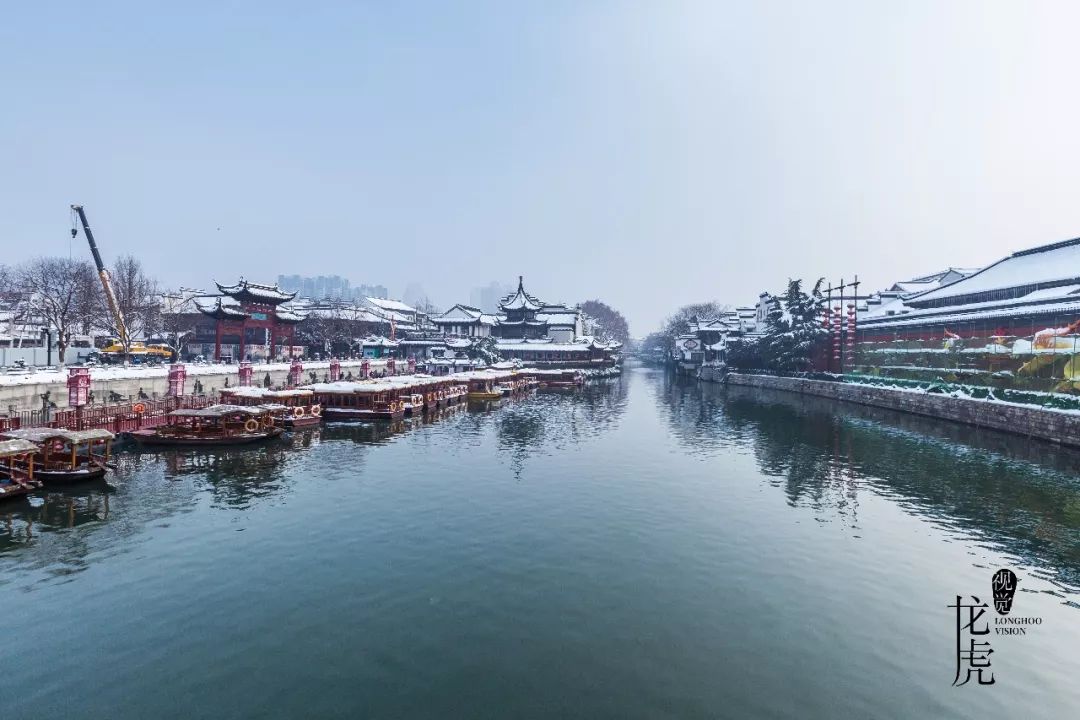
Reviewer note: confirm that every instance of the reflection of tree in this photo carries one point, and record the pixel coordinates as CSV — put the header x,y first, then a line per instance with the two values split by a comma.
x,y
554,421
1021,496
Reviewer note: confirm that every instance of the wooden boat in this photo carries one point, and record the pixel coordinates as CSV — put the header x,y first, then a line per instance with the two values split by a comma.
x,y
414,403
17,468
214,425
293,408
66,456
557,379
487,384
375,399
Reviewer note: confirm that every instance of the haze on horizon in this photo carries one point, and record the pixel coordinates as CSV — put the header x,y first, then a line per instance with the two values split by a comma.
x,y
647,154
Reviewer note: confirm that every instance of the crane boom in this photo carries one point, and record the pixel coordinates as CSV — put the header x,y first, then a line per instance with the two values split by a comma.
x,y
106,282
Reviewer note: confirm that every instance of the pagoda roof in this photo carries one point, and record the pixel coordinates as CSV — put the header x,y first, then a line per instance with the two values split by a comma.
x,y
288,316
255,292
520,300
220,310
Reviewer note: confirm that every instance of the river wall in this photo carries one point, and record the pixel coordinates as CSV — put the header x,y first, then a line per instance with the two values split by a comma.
x,y
1051,425
24,393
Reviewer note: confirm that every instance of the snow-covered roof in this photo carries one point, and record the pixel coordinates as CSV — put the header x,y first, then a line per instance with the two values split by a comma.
x,y
11,448
1047,265
350,313
520,300
217,411
998,313
583,344
39,435
460,314
221,306
258,392
377,341
392,305
255,292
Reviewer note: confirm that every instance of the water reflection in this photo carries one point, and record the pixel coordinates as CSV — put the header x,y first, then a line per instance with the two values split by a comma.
x,y
1019,497
553,421
58,530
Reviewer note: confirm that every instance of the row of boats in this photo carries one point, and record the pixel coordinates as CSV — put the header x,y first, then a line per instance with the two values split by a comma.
x,y
32,457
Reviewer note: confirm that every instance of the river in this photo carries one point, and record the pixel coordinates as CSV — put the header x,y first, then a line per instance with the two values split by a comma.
x,y
643,548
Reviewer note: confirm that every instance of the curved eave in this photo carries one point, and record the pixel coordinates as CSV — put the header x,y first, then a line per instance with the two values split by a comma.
x,y
220,313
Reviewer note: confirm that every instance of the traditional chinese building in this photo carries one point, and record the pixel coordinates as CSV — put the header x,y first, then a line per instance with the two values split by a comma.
x,y
248,319
519,316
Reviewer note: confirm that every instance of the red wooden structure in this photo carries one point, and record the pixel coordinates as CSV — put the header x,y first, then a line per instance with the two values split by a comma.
x,y
245,374
177,375
78,386
247,305
335,370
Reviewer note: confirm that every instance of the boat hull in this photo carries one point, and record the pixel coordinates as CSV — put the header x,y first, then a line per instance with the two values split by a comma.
x,y
303,422
485,395
331,414
149,437
66,477
10,491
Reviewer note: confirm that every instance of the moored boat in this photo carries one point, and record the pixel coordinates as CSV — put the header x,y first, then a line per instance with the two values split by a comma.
x,y
488,384
17,468
377,399
67,456
214,425
294,408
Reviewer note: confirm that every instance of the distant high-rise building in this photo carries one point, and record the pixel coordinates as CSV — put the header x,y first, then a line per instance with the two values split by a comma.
x,y
487,297
328,287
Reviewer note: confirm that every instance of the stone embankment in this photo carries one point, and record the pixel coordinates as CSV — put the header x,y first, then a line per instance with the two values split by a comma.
x,y
1056,426
23,391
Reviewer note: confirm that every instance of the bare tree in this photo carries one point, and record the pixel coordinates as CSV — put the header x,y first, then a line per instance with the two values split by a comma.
x,y
13,302
56,290
176,319
137,298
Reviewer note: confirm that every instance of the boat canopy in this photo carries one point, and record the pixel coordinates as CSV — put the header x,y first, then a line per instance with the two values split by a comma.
x,y
219,411
41,435
14,448
257,392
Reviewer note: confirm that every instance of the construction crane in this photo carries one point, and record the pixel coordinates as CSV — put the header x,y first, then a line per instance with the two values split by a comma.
x,y
106,283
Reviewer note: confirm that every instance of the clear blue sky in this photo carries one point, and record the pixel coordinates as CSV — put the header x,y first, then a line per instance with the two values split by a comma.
x,y
646,153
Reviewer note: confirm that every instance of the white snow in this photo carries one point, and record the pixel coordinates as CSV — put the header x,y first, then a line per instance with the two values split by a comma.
x,y
1044,266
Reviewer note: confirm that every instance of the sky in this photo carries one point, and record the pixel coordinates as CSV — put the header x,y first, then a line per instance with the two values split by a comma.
x,y
649,154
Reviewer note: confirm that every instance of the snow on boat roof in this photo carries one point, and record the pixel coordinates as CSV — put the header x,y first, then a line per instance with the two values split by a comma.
x,y
9,448
1054,263
375,385
543,346
258,392
38,435
216,411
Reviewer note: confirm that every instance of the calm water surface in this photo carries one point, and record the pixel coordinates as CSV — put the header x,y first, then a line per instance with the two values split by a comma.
x,y
642,549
